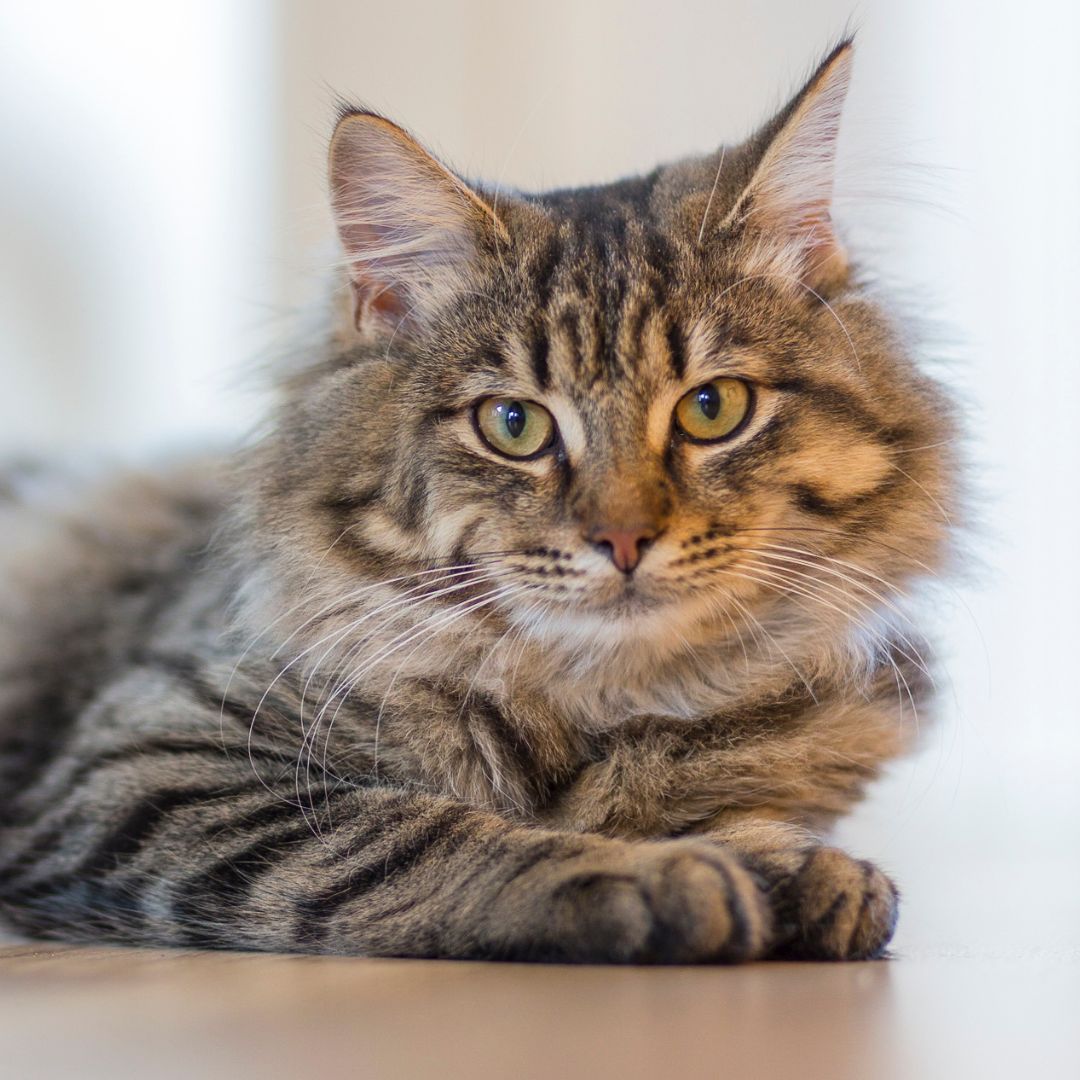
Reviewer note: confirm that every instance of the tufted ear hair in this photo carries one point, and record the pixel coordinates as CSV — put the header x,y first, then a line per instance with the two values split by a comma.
x,y
412,231
788,199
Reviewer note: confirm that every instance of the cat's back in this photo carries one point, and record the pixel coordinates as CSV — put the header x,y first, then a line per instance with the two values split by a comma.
x,y
87,564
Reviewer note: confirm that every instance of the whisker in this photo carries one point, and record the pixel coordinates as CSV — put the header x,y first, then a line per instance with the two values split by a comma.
x,y
412,652
444,619
348,598
783,591
832,559
857,584
940,509
712,195
336,635
802,285
749,615
398,602
405,599
928,446
788,587
262,700
524,639
439,620
810,594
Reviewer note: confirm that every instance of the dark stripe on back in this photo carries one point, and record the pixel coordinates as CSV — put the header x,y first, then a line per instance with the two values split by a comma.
x,y
126,837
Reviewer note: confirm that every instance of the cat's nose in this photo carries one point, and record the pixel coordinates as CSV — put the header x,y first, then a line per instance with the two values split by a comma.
x,y
624,546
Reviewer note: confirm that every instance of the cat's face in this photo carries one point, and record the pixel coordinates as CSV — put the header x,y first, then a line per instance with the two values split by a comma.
x,y
616,430
648,412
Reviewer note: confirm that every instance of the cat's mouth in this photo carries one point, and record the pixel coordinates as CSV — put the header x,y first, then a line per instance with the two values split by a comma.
x,y
629,599
651,607
633,605
637,593
632,618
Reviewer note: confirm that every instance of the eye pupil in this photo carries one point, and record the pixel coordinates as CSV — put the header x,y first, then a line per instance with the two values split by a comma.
x,y
708,399
515,419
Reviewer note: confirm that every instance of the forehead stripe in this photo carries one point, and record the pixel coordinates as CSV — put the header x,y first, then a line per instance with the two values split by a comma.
x,y
676,350
538,357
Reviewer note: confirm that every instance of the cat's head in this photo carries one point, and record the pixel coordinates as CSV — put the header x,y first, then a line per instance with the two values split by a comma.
x,y
624,421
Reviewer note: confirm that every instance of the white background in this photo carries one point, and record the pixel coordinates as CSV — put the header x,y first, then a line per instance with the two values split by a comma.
x,y
162,213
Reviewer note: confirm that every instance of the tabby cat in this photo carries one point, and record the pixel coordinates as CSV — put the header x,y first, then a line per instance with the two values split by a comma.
x,y
556,614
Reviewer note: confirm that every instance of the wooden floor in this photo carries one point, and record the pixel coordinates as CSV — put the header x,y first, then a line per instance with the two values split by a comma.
x,y
968,1000
99,1013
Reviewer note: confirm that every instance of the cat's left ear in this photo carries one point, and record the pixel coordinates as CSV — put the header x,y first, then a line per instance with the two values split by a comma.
x,y
788,199
412,231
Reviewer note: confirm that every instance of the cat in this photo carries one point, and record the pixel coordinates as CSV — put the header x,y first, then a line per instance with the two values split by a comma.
x,y
557,613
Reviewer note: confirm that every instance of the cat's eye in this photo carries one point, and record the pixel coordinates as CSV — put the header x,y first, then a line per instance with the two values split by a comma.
x,y
716,410
518,429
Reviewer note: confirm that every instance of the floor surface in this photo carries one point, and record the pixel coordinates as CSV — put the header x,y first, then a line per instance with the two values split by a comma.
x,y
1000,1000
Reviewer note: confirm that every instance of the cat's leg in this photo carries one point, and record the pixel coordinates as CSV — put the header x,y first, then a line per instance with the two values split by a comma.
x,y
172,842
825,904
654,778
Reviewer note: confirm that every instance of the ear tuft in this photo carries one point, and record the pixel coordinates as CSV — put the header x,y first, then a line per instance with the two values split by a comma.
x,y
411,230
789,196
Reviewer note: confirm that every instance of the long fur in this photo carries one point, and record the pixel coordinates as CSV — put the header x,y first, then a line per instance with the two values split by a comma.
x,y
371,687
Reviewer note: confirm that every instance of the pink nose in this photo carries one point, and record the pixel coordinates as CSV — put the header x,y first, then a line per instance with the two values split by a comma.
x,y
623,546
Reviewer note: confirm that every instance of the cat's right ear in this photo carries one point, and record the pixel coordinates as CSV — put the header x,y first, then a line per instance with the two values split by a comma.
x,y
412,231
788,199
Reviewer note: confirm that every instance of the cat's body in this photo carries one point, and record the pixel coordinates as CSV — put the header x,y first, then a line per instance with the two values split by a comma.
x,y
390,685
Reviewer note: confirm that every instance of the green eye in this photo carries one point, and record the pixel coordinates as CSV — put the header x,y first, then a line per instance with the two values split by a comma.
x,y
715,410
518,429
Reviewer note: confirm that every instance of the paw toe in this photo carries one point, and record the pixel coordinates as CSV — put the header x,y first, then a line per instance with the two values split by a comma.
x,y
707,906
844,908
837,907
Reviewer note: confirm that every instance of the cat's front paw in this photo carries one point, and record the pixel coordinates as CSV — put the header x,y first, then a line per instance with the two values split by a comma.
x,y
830,906
655,902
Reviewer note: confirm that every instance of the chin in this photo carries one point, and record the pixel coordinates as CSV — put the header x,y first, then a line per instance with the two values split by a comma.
x,y
630,625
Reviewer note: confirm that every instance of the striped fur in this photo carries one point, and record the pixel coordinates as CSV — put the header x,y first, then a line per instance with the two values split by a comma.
x,y
369,688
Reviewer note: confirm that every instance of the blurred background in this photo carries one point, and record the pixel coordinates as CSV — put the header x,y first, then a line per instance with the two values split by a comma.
x,y
163,217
